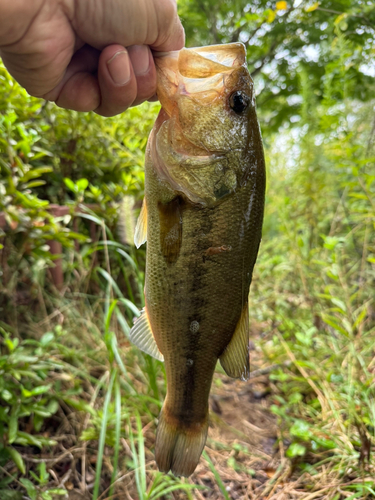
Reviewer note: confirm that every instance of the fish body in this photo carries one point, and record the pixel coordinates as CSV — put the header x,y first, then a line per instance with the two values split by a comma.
x,y
202,216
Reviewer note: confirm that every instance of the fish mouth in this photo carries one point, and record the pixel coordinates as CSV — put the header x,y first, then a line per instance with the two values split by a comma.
x,y
198,70
202,62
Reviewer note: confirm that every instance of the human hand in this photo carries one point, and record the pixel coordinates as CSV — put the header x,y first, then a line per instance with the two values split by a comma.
x,y
88,54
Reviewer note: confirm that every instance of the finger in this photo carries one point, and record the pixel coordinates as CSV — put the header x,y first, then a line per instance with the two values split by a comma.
x,y
171,34
117,82
79,89
144,22
144,69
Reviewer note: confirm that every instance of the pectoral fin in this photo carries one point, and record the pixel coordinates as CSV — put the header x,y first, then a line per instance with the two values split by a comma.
x,y
235,358
170,215
141,335
140,235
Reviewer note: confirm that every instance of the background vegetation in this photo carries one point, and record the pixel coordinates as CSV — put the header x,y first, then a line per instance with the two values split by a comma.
x,y
78,404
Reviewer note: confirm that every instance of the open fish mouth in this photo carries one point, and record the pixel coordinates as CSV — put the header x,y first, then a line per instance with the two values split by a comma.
x,y
200,74
198,70
202,62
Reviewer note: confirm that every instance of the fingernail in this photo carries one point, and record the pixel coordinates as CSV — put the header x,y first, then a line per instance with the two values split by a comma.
x,y
140,58
119,67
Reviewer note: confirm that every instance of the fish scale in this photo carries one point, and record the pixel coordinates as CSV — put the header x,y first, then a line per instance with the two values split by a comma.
x,y
203,212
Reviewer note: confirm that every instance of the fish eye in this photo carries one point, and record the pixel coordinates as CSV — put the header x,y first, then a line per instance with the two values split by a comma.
x,y
238,101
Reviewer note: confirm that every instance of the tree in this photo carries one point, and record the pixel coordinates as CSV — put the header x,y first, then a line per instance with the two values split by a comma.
x,y
284,38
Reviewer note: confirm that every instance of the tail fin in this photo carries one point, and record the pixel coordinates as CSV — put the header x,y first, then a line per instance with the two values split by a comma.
x,y
178,447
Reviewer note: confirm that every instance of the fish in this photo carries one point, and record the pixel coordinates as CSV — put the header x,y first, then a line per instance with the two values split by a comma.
x,y
202,218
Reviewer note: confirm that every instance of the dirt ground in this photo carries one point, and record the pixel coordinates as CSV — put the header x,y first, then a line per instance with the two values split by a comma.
x,y
242,424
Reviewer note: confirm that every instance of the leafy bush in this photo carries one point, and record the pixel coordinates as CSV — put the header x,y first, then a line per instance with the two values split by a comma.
x,y
28,396
314,284
52,156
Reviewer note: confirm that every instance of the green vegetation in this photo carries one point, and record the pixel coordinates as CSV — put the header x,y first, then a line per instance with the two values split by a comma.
x,y
78,403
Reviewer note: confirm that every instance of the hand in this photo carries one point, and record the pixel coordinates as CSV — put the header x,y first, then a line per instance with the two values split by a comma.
x,y
88,54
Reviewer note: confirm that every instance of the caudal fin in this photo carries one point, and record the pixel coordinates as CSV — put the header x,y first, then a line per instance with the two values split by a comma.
x,y
178,448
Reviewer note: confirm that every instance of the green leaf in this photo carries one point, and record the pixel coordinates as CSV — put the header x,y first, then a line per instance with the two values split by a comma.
x,y
35,172
17,459
295,450
79,405
30,488
217,475
82,184
13,429
6,395
70,185
102,436
41,389
361,317
47,338
301,429
33,184
270,15
11,495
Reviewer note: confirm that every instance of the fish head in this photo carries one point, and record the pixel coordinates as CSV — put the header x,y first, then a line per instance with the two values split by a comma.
x,y
210,94
206,142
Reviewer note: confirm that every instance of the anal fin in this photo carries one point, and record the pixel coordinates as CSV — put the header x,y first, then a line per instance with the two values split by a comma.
x,y
140,235
235,358
141,335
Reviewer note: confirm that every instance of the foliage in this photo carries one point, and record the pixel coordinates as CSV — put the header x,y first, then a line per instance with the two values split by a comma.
x,y
50,155
31,387
23,393
315,279
283,38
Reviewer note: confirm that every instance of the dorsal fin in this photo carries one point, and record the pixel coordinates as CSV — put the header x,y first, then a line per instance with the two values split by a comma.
x,y
141,335
140,235
235,358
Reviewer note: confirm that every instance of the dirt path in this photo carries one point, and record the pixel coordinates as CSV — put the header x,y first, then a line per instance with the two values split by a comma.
x,y
243,440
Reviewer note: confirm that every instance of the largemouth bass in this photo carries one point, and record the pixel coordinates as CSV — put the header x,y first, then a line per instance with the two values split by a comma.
x,y
202,217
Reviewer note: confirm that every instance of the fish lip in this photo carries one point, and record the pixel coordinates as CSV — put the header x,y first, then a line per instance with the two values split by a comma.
x,y
212,52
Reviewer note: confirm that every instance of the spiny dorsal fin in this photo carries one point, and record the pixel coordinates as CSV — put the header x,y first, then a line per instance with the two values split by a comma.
x,y
235,358
141,335
140,235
